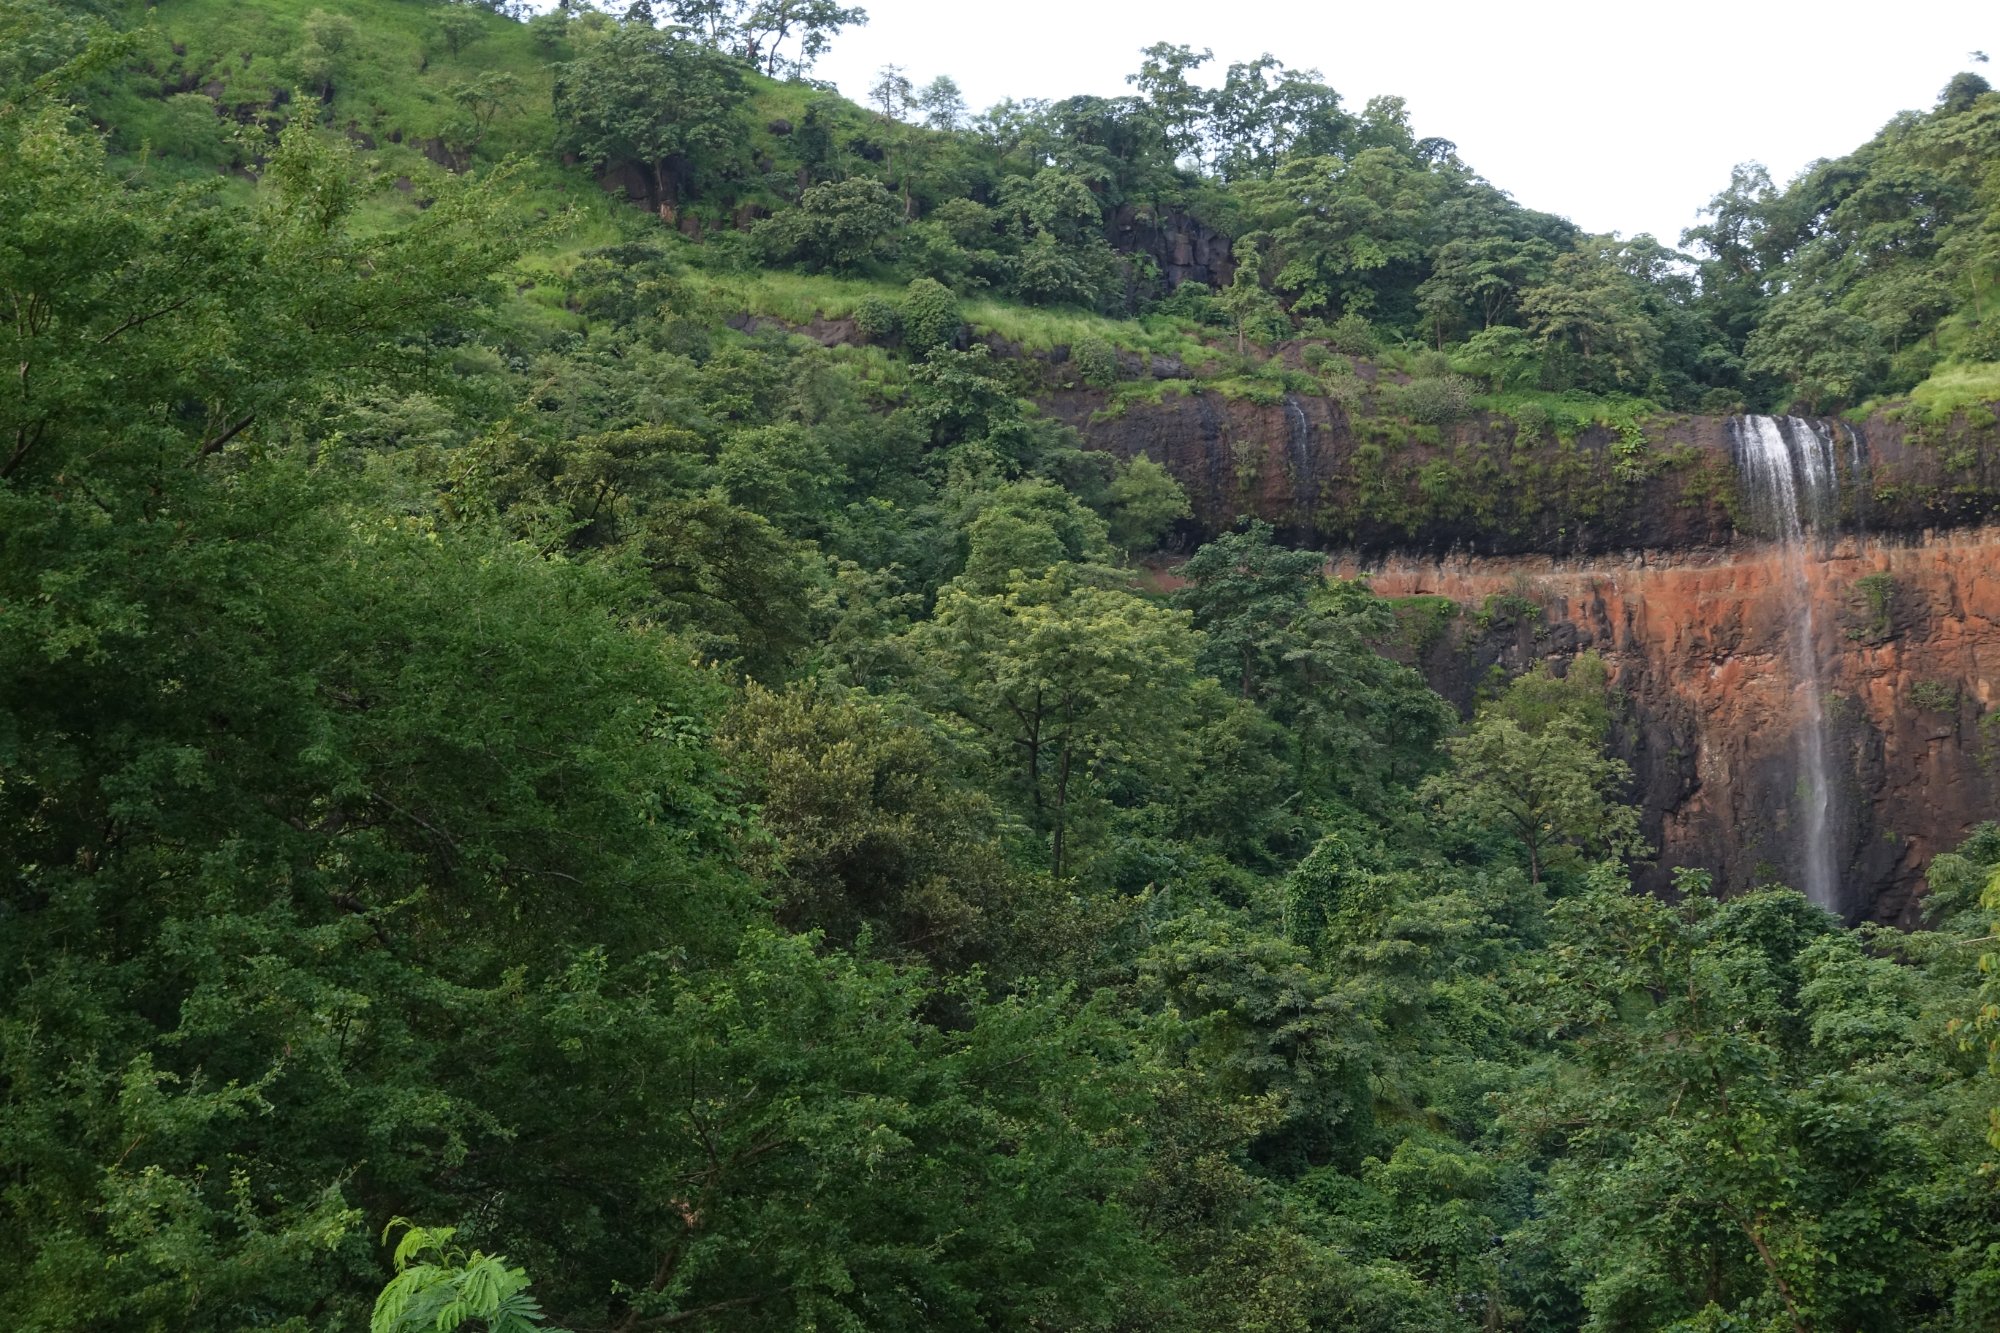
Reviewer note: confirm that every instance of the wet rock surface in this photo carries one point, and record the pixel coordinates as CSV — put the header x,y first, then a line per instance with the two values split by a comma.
x,y
1326,473
1909,639
1670,570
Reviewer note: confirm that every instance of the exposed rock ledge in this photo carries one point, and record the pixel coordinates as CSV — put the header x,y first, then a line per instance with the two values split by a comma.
x,y
1328,473
1909,628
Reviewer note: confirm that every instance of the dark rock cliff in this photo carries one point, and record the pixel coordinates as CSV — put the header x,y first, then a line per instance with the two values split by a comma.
x,y
1326,474
1182,248
1542,548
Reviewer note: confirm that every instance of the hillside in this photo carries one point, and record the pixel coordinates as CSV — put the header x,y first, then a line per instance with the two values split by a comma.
x,y
1897,236
635,697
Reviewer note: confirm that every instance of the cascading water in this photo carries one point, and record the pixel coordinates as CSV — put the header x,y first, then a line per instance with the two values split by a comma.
x,y
1299,453
1792,486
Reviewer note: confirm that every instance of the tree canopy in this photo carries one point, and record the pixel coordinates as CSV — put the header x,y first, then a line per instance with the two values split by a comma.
x,y
537,794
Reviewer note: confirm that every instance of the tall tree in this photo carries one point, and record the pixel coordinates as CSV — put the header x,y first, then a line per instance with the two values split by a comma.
x,y
656,100
1532,768
1181,106
1059,681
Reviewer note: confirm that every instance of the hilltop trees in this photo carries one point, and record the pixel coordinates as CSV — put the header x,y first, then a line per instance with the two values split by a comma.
x,y
658,100
782,38
1865,272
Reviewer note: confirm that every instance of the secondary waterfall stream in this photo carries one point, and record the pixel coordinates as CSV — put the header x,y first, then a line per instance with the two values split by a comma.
x,y
1792,486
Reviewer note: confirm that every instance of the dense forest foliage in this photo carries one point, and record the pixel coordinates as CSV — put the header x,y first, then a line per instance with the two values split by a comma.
x,y
528,802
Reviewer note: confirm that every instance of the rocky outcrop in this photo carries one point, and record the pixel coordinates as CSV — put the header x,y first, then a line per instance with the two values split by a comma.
x,y
1343,473
1910,642
1637,544
1182,248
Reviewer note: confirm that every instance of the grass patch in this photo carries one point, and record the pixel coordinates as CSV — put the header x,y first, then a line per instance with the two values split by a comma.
x,y
798,298
1037,329
1970,388
391,75
1128,394
1571,412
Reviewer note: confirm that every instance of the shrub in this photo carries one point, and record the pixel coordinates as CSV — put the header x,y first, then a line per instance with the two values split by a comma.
x,y
1531,423
878,319
930,316
1440,400
190,127
1145,502
1430,365
1353,334
1983,343
1049,272
1877,611
1192,301
1441,484
1096,361
1347,390
1934,696
839,226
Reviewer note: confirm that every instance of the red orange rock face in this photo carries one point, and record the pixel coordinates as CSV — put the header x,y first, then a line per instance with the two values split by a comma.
x,y
1909,641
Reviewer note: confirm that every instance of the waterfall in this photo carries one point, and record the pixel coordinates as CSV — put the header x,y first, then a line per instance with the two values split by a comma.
x,y
1298,436
1792,486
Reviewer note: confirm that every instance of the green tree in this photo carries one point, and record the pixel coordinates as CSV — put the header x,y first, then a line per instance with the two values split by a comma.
x,y
930,316
1262,1024
1748,1100
450,1288
1063,257
892,93
1264,113
787,37
1532,767
870,831
1484,275
1504,356
1058,681
457,26
942,104
839,226
1828,355
1590,322
322,55
480,100
656,100
1245,591
1180,104
1246,301
1145,502
1303,648
1343,231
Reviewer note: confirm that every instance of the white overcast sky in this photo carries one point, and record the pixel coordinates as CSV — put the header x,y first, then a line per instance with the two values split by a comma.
x,y
1622,117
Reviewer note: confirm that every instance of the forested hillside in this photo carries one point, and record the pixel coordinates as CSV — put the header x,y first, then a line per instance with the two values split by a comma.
x,y
576,749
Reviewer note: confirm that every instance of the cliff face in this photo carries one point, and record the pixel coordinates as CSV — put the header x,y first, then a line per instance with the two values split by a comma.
x,y
1909,642
1331,473
1550,548
1182,249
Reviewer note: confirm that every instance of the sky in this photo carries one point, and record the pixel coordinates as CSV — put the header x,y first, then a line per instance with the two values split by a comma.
x,y
1621,117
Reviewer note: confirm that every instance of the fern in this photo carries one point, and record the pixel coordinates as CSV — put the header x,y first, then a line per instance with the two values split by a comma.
x,y
451,1290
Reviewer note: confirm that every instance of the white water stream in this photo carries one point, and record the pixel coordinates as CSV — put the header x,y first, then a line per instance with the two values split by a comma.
x,y
1791,485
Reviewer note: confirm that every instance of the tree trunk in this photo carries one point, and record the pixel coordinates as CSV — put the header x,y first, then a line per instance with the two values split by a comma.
x,y
1756,1235
668,173
1059,838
